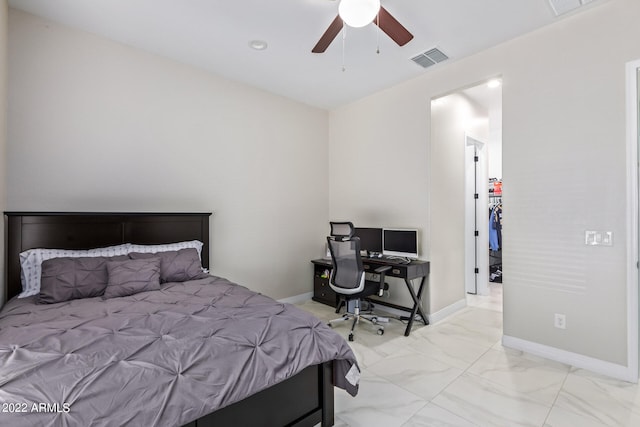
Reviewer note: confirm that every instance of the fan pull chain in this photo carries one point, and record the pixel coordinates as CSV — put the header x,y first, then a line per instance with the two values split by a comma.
x,y
344,38
378,32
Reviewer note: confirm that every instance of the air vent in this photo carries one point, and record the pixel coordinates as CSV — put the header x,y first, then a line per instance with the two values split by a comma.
x,y
429,58
563,6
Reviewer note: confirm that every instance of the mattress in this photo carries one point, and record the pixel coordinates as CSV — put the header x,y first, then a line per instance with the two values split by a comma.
x,y
161,358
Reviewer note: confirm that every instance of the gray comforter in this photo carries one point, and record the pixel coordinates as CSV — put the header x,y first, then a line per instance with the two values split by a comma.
x,y
157,358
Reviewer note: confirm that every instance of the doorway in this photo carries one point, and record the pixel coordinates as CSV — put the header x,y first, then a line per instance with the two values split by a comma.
x,y
465,123
487,204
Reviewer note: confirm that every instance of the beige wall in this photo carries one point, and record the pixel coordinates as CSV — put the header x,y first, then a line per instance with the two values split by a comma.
x,y
98,126
3,133
563,166
378,160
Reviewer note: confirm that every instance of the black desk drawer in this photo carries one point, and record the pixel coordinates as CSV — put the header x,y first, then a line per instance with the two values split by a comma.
x,y
402,271
323,293
396,270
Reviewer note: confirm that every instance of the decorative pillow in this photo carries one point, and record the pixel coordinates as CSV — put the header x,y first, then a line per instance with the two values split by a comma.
x,y
176,266
152,249
31,263
64,279
132,276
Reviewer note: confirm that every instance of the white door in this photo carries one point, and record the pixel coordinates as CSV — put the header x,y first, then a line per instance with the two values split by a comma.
x,y
476,217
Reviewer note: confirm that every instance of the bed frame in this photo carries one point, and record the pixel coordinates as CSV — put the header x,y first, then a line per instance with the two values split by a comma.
x,y
305,399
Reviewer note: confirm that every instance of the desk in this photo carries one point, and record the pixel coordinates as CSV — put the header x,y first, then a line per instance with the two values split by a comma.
x,y
323,293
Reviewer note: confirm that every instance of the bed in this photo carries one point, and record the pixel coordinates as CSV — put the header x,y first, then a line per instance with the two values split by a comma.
x,y
200,352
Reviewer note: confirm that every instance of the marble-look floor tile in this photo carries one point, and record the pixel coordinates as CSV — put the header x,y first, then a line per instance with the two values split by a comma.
x,y
321,311
416,373
366,356
365,332
488,404
481,335
448,349
478,316
559,417
487,305
379,403
493,301
338,422
434,416
501,386
538,378
397,343
600,399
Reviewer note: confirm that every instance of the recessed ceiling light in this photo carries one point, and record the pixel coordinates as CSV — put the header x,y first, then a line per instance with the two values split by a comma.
x,y
494,83
258,44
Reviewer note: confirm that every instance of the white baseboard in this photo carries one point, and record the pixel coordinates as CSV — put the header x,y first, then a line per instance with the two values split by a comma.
x,y
297,299
574,359
447,311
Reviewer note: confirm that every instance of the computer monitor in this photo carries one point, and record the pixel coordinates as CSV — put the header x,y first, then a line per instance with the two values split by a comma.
x,y
401,242
370,239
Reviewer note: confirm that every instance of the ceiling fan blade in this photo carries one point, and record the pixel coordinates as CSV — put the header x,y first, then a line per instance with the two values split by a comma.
x,y
392,27
328,36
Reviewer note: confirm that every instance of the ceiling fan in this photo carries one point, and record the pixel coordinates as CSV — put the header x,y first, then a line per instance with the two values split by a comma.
x,y
358,13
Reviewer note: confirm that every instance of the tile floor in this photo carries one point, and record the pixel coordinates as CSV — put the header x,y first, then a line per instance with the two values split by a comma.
x,y
456,373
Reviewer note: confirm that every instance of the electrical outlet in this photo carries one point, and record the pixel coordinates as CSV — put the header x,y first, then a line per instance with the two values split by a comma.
x,y
560,321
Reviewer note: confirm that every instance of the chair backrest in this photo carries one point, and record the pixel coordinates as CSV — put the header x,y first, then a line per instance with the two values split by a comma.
x,y
347,276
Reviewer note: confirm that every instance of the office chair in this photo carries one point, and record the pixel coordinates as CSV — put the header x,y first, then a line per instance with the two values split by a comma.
x,y
348,277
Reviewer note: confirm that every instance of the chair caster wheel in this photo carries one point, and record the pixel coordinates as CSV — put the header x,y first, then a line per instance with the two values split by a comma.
x,y
374,320
350,337
380,331
329,324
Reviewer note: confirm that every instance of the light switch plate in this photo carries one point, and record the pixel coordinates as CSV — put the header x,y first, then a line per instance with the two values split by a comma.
x,y
591,238
598,238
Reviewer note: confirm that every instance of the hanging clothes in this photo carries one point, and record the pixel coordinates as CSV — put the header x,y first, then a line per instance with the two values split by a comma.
x,y
494,238
498,223
495,242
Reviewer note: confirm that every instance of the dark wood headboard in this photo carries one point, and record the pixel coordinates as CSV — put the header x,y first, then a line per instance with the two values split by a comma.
x,y
84,230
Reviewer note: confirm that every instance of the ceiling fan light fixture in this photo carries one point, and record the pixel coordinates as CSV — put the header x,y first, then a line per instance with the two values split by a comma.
x,y
358,13
258,44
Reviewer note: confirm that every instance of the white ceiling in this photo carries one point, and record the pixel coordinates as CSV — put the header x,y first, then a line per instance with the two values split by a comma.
x,y
214,35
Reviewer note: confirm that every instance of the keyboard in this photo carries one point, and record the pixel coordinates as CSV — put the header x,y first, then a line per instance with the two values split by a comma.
x,y
395,261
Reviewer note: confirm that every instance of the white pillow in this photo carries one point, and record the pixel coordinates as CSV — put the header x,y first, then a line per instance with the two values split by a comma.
x,y
152,249
31,263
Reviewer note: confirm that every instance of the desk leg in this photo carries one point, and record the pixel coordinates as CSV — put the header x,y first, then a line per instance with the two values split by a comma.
x,y
416,305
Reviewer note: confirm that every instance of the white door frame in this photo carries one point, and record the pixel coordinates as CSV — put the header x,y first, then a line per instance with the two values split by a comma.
x,y
632,219
476,256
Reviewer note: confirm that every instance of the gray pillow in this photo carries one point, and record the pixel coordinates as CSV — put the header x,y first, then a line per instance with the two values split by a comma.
x,y
132,276
67,278
176,266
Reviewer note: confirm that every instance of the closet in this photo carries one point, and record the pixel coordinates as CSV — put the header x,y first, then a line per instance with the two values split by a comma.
x,y
495,230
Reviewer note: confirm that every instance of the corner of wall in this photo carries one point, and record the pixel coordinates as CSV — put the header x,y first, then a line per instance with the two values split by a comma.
x,y
4,14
